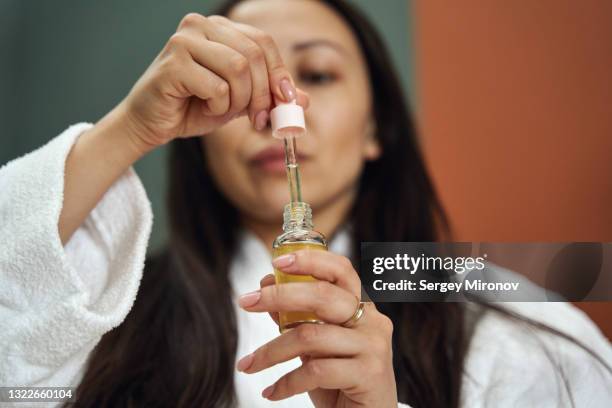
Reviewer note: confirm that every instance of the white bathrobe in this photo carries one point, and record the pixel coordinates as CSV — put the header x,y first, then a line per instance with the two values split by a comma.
x,y
57,301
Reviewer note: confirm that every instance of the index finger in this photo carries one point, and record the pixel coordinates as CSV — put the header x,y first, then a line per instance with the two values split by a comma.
x,y
280,80
323,265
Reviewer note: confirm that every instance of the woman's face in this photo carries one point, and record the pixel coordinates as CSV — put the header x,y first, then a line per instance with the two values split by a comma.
x,y
325,60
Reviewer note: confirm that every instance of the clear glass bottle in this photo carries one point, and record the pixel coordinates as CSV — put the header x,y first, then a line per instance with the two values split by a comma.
x,y
298,234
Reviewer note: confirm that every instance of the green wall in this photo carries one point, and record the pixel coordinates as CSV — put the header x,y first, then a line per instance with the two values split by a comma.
x,y
63,62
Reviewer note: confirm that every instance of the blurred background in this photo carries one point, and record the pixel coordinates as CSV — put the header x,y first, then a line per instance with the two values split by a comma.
x,y
513,100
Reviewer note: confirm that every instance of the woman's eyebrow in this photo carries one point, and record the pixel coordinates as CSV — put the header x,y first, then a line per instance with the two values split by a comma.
x,y
301,46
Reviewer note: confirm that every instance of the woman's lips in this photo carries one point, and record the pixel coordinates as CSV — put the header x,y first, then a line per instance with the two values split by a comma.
x,y
273,166
272,160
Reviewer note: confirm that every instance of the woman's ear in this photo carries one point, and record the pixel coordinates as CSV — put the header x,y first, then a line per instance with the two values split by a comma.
x,y
371,145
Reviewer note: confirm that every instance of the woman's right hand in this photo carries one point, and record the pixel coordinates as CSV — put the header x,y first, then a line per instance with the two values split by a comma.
x,y
209,72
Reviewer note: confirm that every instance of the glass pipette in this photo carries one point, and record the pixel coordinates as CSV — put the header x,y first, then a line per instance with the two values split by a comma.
x,y
293,170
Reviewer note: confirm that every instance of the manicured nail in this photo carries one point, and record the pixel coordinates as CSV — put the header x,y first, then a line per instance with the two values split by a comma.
x,y
268,391
249,299
261,120
268,276
284,261
287,90
245,362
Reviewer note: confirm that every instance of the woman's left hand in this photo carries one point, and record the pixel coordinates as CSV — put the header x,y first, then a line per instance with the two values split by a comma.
x,y
341,367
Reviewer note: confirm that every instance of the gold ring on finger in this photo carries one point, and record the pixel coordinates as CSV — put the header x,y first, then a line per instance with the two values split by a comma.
x,y
359,312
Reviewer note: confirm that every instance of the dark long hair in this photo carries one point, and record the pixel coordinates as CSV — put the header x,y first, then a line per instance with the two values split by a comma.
x,y
177,345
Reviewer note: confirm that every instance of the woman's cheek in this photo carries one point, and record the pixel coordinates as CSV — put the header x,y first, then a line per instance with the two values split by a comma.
x,y
331,176
225,167
340,133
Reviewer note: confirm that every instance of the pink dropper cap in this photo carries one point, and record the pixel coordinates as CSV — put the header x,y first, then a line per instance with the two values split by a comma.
x,y
287,119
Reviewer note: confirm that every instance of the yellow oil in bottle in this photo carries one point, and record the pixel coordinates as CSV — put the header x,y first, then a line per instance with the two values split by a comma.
x,y
298,234
289,320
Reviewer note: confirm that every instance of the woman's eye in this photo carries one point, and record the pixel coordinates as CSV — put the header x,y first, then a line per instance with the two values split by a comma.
x,y
317,78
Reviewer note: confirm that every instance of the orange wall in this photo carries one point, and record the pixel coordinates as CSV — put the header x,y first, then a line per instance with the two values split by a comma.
x,y
515,109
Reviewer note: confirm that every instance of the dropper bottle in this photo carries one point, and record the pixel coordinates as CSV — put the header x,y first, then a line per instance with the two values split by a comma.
x,y
288,124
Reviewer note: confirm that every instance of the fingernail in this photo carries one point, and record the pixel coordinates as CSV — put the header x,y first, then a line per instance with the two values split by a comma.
x,y
287,90
245,362
261,120
284,261
270,275
268,391
249,299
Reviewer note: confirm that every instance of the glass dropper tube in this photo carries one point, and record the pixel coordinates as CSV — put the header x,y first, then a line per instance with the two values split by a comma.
x,y
288,124
293,170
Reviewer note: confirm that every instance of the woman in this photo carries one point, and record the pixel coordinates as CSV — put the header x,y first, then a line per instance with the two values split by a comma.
x,y
75,256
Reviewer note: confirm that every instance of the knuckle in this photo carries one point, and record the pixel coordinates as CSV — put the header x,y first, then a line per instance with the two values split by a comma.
x,y
192,19
169,67
307,333
386,324
222,89
254,53
313,368
217,19
239,64
263,38
303,258
178,41
276,294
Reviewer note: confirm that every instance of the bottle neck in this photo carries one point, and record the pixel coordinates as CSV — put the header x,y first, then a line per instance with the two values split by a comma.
x,y
297,216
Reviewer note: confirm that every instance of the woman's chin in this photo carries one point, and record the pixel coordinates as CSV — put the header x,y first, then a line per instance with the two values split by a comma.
x,y
270,201
273,193
267,208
